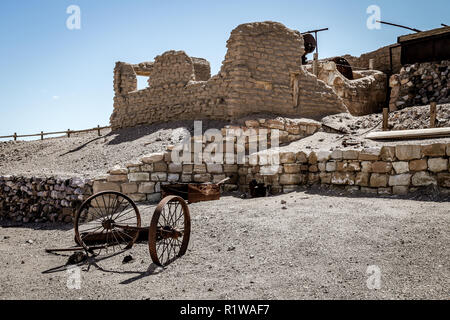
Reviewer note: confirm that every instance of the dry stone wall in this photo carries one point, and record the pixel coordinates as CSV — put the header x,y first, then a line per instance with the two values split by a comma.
x,y
262,72
42,199
420,84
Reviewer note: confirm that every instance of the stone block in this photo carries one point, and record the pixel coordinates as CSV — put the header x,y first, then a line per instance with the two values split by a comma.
x,y
138,197
434,150
159,166
443,180
117,178
291,168
384,191
188,168
343,178
362,179
138,176
325,178
173,177
400,167
418,165
105,186
312,158
199,168
423,178
366,166
175,167
370,154
408,152
437,164
159,176
118,170
301,157
381,167
290,179
336,155
348,166
146,187
330,166
230,168
287,157
400,180
323,155
350,154
202,177
128,188
387,153
214,168
154,197
378,180
152,158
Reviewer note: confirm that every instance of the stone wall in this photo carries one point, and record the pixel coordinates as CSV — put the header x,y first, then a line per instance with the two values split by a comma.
x,y
42,199
262,72
381,59
420,84
363,95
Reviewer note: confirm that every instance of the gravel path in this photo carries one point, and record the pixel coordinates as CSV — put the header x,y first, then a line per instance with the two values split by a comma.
x,y
318,247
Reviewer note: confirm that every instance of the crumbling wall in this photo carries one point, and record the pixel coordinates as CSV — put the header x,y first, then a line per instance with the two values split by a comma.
x,y
381,58
363,95
420,84
262,72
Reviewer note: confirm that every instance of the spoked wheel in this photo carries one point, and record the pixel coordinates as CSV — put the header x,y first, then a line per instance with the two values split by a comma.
x,y
170,229
107,220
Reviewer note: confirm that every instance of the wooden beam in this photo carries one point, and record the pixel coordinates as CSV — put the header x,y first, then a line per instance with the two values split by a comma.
x,y
385,119
410,134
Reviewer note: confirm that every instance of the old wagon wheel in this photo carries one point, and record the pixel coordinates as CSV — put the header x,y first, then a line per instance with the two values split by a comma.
x,y
107,220
170,230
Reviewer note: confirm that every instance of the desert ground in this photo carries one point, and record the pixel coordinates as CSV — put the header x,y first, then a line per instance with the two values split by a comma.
x,y
311,244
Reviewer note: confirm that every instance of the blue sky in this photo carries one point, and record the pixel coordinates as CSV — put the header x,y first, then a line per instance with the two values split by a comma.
x,y
53,78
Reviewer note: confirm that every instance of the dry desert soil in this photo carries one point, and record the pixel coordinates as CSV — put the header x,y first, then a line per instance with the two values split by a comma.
x,y
317,245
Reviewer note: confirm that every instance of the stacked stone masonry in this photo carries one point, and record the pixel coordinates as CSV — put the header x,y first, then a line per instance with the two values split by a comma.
x,y
420,84
42,199
384,171
261,73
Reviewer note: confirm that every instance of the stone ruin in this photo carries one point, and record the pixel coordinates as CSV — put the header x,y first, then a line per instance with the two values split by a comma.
x,y
262,73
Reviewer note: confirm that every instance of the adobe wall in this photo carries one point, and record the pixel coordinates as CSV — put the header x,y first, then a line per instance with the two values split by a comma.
x,y
381,59
262,72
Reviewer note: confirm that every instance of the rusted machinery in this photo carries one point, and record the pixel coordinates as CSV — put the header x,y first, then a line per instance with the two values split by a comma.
x,y
343,67
194,192
111,221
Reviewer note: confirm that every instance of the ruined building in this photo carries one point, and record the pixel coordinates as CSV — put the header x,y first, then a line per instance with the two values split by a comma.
x,y
262,73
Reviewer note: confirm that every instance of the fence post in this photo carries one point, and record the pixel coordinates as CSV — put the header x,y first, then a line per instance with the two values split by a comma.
x,y
68,133
15,136
42,135
433,114
385,118
98,128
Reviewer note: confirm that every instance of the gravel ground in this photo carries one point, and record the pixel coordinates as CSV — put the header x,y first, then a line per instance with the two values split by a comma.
x,y
317,247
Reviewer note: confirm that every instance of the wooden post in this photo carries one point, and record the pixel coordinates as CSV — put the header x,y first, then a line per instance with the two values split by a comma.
x,y
316,64
98,128
42,135
385,118
15,136
68,133
433,114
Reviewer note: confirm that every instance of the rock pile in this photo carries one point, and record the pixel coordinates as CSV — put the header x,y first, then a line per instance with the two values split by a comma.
x,y
420,84
42,199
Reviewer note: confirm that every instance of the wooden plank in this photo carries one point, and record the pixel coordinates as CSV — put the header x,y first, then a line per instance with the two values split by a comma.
x,y
423,34
410,134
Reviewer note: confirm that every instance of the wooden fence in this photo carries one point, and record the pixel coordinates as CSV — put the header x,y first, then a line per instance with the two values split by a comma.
x,y
42,134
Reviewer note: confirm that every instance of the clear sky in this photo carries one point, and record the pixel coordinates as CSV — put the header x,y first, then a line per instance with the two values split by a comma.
x,y
53,78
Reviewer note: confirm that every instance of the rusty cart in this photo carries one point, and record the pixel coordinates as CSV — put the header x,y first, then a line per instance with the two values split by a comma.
x,y
110,221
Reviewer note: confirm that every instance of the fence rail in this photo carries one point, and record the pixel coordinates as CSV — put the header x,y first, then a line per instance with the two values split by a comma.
x,y
68,132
